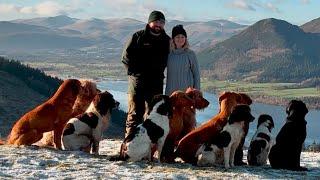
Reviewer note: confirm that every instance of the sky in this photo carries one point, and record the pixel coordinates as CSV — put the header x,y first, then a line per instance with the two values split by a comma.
x,y
296,12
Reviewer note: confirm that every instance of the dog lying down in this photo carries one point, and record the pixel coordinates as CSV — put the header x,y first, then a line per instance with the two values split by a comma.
x,y
85,130
222,148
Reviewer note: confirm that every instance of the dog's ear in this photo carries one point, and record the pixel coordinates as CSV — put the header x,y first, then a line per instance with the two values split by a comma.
x,y
224,95
245,99
241,113
104,102
73,84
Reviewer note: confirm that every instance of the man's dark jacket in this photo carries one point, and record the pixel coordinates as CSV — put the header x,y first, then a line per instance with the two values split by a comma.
x,y
145,57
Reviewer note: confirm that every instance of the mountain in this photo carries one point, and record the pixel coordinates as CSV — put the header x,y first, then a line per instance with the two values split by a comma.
x,y
269,50
205,34
100,39
24,37
49,22
312,26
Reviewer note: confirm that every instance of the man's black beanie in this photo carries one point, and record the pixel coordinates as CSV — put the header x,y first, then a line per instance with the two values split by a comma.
x,y
178,29
156,15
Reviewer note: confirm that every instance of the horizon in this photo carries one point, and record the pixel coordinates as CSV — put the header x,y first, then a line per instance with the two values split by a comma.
x,y
244,12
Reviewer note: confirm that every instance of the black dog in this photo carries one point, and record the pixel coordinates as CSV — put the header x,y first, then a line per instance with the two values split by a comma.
x,y
285,154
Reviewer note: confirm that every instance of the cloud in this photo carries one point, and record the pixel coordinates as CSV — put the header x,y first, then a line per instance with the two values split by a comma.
x,y
49,8
272,7
8,8
256,5
136,9
46,8
241,4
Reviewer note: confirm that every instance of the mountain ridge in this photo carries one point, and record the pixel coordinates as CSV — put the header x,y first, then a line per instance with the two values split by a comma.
x,y
266,47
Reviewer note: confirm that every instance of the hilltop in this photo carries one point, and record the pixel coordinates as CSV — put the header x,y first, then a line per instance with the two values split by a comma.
x,y
270,50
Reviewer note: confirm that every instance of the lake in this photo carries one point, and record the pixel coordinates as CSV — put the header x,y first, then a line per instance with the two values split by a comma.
x,y
119,91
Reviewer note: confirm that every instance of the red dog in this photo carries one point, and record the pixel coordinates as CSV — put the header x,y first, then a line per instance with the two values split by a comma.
x,y
81,104
51,115
189,114
182,122
190,143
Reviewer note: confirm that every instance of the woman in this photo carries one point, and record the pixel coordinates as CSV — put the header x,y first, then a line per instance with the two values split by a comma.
x,y
182,67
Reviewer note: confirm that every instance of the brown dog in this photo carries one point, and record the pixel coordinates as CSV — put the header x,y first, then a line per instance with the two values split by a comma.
x,y
81,104
183,121
51,115
190,143
189,114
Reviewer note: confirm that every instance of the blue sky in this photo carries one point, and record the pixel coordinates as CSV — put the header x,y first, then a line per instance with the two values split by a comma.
x,y
242,11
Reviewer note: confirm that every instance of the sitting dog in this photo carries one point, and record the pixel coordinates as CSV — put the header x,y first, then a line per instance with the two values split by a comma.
x,y
189,144
151,134
189,114
227,141
261,142
285,154
180,101
81,104
51,115
84,132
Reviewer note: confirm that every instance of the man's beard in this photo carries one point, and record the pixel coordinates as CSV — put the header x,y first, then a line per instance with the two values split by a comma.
x,y
156,29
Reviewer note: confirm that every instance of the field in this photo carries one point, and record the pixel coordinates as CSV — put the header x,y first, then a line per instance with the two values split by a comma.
x,y
284,90
96,70
270,93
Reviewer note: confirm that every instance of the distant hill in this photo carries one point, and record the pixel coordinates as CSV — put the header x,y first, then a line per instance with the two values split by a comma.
x,y
270,50
24,37
101,40
312,26
50,22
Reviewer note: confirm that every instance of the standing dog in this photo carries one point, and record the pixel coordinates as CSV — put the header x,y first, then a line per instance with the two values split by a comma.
x,y
285,154
149,135
227,141
261,142
49,116
84,132
189,144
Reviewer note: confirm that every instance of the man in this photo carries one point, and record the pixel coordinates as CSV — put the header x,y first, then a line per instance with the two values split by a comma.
x,y
145,58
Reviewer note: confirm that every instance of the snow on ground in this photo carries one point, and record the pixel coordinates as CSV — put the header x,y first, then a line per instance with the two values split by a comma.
x,y
43,163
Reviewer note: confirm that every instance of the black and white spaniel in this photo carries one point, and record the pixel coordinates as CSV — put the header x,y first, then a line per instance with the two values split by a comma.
x,y
261,142
151,134
222,148
84,132
285,154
